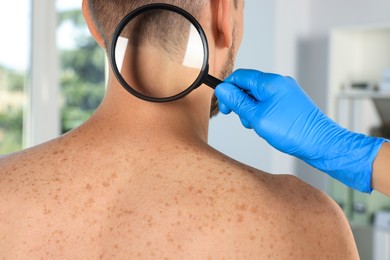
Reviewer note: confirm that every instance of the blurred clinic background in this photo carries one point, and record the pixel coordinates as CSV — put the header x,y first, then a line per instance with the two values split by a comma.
x,y
52,77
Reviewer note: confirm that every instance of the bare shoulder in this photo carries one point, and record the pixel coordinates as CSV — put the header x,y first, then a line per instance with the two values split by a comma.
x,y
13,164
299,220
20,170
25,159
320,226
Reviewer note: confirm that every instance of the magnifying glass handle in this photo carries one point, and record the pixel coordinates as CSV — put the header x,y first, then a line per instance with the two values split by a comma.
x,y
212,81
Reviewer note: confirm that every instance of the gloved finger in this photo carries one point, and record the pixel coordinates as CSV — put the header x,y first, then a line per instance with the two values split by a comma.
x,y
224,108
258,84
245,123
236,100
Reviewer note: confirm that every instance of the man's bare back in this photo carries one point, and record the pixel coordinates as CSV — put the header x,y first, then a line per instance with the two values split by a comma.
x,y
138,180
79,198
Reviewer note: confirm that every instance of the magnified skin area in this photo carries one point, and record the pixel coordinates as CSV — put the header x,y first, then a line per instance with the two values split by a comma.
x,y
160,63
153,73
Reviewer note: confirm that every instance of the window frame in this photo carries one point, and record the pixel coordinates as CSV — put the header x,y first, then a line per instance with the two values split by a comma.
x,y
42,112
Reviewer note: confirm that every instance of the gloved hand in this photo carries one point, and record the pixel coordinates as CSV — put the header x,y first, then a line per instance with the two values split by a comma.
x,y
281,113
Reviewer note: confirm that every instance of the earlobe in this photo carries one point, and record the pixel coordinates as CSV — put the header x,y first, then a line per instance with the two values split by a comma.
x,y
91,25
225,23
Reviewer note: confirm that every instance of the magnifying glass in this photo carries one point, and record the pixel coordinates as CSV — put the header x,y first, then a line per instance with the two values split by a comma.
x,y
160,53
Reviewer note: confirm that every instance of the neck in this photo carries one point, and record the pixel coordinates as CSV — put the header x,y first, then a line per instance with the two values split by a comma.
x,y
127,116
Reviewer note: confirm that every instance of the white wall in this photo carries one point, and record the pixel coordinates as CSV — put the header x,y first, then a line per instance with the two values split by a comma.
x,y
333,13
324,17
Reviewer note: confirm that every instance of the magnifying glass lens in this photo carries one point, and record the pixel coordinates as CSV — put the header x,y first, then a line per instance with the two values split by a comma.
x,y
159,53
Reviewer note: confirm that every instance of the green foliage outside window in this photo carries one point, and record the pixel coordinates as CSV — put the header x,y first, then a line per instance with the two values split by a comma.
x,y
11,109
82,84
82,74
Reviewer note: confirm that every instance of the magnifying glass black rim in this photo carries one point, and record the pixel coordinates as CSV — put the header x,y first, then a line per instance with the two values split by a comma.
x,y
160,6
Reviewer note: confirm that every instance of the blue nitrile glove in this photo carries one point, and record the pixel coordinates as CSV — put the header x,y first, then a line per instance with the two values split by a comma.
x,y
281,113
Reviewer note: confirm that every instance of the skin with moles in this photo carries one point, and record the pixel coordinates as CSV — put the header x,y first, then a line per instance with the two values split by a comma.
x,y
154,73
138,181
158,199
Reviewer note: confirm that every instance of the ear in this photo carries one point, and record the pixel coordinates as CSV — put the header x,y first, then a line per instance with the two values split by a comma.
x,y
91,25
225,23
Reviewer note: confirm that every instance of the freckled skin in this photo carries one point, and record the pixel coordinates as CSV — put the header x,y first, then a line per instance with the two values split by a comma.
x,y
98,207
138,181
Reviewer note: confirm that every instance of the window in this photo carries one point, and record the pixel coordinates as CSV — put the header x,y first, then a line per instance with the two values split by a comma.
x,y
14,67
82,66
29,76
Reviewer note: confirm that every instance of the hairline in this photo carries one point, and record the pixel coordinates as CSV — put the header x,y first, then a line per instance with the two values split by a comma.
x,y
103,31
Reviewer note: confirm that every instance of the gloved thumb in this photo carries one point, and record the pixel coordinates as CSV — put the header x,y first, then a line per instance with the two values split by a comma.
x,y
232,98
260,85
